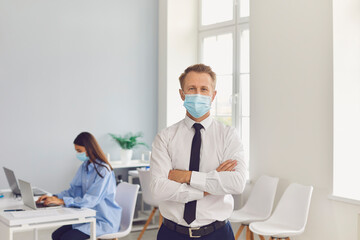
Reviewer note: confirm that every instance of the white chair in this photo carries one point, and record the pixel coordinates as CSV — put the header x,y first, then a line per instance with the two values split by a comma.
x,y
145,178
134,174
259,205
126,195
290,216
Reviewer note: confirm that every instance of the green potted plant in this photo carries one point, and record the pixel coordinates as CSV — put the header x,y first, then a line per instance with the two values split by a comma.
x,y
127,143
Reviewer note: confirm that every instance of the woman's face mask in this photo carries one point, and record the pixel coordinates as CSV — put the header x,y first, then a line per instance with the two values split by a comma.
x,y
82,156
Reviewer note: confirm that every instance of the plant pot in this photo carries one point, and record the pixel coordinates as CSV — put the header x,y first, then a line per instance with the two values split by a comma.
x,y
125,155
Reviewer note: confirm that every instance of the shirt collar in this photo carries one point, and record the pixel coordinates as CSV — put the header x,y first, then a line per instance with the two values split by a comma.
x,y
89,165
205,123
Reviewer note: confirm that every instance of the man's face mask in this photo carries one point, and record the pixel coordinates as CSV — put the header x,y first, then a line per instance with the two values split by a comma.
x,y
197,105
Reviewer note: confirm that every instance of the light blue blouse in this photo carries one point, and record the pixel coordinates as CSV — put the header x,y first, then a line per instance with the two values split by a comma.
x,y
89,190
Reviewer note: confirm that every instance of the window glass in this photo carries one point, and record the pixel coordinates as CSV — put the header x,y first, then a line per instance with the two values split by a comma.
x,y
216,11
244,8
222,106
218,54
226,48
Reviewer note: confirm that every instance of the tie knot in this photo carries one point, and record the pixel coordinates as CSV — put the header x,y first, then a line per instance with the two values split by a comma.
x,y
197,126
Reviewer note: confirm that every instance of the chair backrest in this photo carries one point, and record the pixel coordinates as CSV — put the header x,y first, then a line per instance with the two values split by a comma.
x,y
261,198
126,195
293,207
145,178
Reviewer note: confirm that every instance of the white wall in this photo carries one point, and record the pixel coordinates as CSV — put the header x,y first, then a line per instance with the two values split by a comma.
x,y
71,66
291,107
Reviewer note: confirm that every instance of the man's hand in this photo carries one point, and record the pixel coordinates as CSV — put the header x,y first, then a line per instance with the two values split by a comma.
x,y
180,176
228,165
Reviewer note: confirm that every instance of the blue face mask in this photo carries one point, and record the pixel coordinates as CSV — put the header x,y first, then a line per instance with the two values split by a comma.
x,y
197,105
82,156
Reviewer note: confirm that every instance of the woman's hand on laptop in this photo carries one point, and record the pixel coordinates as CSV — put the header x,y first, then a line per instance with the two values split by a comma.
x,y
53,200
46,200
41,199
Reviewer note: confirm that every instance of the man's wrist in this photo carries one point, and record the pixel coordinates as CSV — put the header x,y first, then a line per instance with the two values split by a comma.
x,y
188,177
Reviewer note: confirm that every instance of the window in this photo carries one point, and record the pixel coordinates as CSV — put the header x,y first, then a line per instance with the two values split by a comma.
x,y
346,103
224,45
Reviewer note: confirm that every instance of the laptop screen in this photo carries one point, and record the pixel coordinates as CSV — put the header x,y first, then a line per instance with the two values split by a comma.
x,y
27,194
10,176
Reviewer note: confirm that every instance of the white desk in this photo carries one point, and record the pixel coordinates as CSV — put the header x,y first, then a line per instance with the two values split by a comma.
x,y
131,164
11,222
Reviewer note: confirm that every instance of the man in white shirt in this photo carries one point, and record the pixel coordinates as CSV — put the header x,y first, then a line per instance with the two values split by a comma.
x,y
196,165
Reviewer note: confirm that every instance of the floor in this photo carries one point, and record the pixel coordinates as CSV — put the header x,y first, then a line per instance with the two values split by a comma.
x,y
45,234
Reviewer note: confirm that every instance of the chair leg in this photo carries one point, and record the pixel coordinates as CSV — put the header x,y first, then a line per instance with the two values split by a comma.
x,y
251,234
147,223
239,231
160,219
261,237
248,233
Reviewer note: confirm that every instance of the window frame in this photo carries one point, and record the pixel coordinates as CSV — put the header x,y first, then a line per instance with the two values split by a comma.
x,y
235,27
240,27
214,32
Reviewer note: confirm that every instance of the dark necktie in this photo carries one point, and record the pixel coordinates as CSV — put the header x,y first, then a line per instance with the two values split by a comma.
x,y
190,207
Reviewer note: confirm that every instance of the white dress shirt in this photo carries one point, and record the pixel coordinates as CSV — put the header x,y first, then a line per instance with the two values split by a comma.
x,y
171,150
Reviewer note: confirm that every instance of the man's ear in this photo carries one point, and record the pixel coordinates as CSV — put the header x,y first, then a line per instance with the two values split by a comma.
x,y
213,96
182,95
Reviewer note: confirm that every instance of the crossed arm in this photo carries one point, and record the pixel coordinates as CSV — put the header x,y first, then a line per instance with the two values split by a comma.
x,y
168,184
184,176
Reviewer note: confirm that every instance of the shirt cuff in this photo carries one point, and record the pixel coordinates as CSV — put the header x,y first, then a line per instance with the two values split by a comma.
x,y
68,201
198,180
61,196
194,194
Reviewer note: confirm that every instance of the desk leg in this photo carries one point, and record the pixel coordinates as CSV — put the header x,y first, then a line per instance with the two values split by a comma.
x,y
35,234
5,232
93,229
130,179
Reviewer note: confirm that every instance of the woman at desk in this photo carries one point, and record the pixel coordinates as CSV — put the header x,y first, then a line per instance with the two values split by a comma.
x,y
93,187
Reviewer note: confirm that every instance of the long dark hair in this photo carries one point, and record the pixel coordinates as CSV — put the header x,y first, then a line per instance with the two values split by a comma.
x,y
93,150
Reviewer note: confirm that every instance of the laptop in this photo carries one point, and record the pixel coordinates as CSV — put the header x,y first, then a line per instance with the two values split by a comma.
x,y
10,175
28,197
